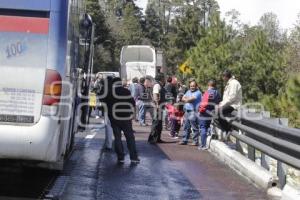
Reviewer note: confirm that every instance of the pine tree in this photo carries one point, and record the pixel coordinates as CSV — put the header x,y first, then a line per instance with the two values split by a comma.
x,y
293,91
293,49
190,20
212,53
131,32
262,67
152,27
102,30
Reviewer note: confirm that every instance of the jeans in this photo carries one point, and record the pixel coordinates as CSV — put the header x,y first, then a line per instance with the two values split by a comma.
x,y
143,108
166,118
126,127
108,133
191,121
205,121
175,126
156,128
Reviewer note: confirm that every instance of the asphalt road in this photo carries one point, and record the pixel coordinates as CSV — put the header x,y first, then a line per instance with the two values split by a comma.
x,y
167,171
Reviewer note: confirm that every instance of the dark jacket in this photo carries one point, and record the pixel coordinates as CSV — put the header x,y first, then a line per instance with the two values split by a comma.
x,y
171,92
162,94
122,104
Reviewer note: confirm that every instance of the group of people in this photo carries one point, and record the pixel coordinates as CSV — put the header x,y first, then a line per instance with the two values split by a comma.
x,y
177,106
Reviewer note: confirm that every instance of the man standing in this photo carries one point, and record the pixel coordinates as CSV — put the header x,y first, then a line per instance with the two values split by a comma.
x,y
140,104
210,99
144,101
120,111
158,99
232,99
170,90
133,88
192,99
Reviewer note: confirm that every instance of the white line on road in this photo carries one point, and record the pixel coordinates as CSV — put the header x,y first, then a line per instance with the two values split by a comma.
x,y
90,136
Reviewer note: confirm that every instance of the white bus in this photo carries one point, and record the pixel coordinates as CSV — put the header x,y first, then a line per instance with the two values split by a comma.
x,y
138,61
107,73
39,60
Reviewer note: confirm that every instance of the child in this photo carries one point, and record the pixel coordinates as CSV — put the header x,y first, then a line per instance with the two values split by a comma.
x,y
175,116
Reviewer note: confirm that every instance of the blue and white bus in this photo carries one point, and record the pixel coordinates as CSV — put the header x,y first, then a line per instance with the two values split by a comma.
x,y
39,61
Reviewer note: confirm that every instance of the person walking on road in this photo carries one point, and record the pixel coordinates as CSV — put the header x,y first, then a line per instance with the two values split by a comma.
x,y
192,99
158,100
121,107
210,100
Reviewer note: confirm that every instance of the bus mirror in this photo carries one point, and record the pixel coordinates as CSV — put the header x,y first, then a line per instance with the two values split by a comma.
x,y
86,22
86,25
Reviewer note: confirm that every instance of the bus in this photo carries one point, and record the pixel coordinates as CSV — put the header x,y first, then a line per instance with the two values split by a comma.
x,y
105,74
39,61
139,61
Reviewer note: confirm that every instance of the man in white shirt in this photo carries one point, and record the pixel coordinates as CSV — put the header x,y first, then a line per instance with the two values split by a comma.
x,y
232,99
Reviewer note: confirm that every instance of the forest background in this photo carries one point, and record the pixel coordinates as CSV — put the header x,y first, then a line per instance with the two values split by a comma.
x,y
263,57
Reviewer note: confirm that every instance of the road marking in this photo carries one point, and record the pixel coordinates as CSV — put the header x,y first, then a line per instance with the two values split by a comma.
x,y
90,136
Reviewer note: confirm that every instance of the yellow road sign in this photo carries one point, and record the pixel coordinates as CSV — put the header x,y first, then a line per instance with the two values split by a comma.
x,y
185,69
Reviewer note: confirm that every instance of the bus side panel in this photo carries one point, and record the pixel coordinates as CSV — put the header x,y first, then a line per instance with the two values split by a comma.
x,y
30,142
57,60
23,60
57,43
40,5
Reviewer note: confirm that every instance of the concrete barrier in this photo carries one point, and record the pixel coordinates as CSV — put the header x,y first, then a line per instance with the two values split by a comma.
x,y
290,193
243,166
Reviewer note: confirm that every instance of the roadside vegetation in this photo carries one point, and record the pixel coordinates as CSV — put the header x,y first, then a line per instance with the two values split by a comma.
x,y
263,57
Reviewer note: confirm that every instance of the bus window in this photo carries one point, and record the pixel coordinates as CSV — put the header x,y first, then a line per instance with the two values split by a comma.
x,y
140,54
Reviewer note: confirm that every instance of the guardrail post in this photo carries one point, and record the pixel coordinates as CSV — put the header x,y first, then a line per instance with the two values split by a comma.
x,y
265,161
239,147
265,158
281,167
251,153
281,173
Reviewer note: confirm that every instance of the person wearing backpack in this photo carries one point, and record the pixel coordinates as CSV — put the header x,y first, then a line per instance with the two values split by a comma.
x,y
210,99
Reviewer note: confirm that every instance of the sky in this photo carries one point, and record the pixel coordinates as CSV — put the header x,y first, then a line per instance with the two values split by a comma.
x,y
252,10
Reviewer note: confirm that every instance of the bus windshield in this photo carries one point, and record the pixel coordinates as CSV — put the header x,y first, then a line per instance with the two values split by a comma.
x,y
137,54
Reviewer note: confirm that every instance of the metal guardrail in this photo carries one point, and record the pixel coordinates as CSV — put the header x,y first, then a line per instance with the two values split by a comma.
x,y
270,138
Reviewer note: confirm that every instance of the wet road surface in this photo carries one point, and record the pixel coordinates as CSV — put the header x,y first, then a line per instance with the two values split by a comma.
x,y
167,171
18,182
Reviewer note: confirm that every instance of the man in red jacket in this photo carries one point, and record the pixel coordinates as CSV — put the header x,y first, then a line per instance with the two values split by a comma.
x,y
210,99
